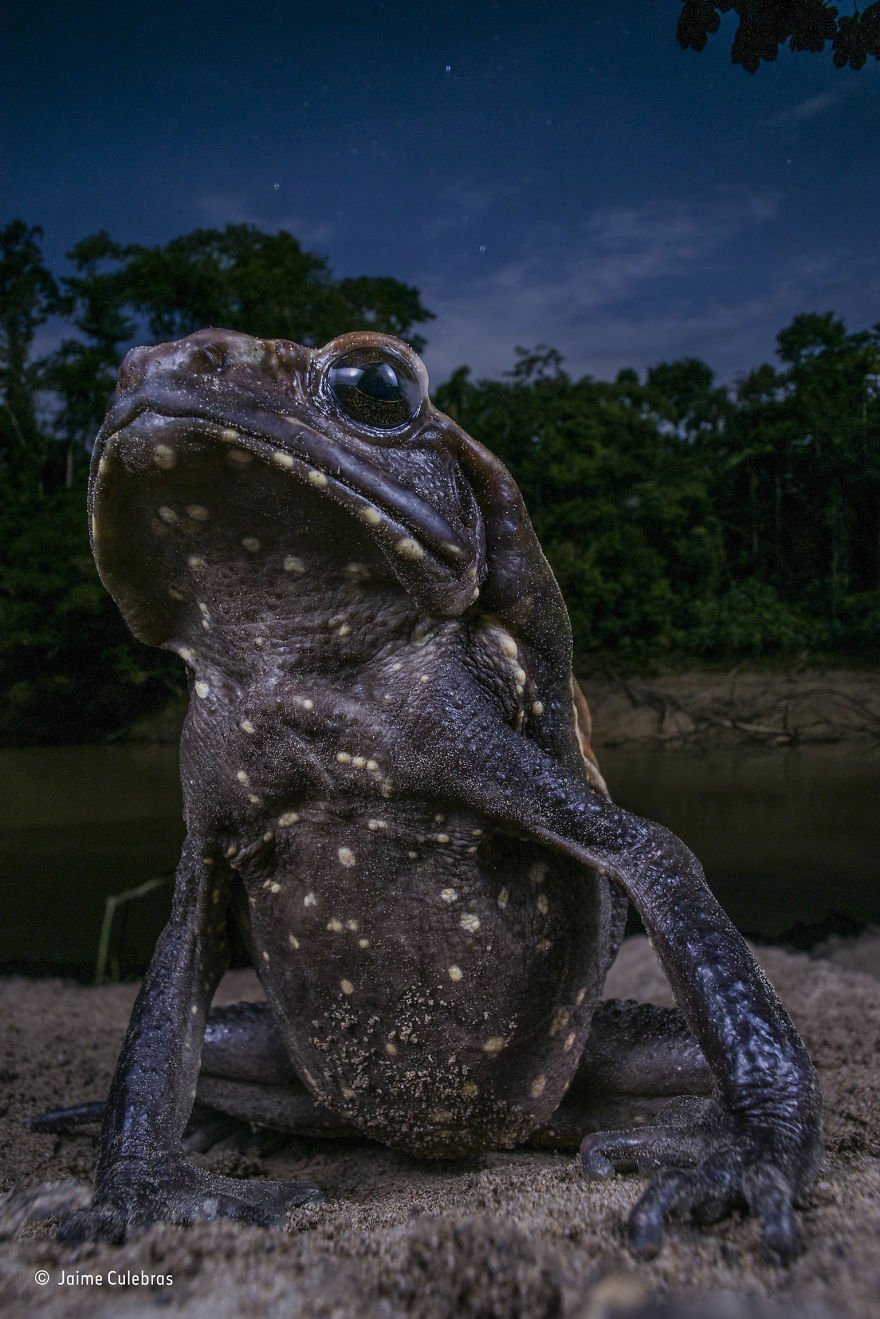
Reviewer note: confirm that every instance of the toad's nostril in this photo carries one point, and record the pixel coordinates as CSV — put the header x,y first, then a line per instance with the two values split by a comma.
x,y
133,370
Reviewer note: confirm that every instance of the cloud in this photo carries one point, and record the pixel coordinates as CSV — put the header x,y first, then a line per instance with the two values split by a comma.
x,y
219,209
804,111
620,291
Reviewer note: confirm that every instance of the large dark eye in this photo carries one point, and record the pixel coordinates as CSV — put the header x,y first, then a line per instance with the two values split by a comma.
x,y
374,389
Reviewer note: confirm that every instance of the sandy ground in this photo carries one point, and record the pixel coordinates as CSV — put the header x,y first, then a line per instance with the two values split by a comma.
x,y
512,1234
742,705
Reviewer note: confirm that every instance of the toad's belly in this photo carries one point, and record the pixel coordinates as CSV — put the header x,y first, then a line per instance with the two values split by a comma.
x,y
434,988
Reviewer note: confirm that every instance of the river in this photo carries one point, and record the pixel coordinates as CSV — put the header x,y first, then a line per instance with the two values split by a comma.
x,y
786,837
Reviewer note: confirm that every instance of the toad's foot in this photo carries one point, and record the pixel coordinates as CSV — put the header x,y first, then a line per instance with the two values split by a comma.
x,y
711,1164
136,1194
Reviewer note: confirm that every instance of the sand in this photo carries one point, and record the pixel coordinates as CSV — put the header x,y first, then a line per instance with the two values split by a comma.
x,y
510,1234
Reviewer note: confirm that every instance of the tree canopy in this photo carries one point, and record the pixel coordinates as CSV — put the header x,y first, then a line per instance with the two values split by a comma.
x,y
684,518
767,25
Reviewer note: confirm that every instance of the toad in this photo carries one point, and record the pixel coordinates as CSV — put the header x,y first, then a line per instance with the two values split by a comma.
x,y
388,785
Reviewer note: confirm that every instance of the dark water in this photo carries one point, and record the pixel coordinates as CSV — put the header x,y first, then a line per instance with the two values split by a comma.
x,y
786,837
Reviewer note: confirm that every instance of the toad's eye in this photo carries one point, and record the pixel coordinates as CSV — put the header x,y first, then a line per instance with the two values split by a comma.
x,y
376,391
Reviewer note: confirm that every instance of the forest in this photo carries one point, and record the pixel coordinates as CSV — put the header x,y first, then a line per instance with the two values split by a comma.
x,y
686,520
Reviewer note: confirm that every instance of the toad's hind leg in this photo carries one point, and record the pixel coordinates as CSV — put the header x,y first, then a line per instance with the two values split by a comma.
x,y
247,1074
637,1057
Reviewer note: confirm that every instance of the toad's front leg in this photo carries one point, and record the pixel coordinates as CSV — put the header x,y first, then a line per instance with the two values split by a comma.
x,y
757,1142
142,1176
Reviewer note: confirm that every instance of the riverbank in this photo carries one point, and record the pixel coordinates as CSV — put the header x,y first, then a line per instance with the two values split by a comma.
x,y
507,1235
695,707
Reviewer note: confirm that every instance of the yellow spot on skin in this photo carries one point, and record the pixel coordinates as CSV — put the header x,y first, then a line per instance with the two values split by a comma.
x,y
544,945
243,776
439,819
173,593
538,708
309,1079
346,856
391,1049
268,836
348,1093
247,726
288,818
265,956
294,564
357,570
538,1086
424,677
167,514
194,1009
196,561
335,924
346,986
254,799
582,994
232,850
363,943
508,645
186,654
308,704
470,922
281,459
494,1045
543,905
345,630
441,1115
317,478
202,689
164,457
371,516
375,825
412,855
310,900
372,766
455,974
198,512
228,436
358,762
519,676
560,1019
443,838
569,1042
251,544
447,894
239,457
344,757
352,925
503,898
408,548
203,609
538,872
476,833
293,941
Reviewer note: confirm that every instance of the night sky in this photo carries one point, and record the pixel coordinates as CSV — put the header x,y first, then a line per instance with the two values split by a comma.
x,y
561,173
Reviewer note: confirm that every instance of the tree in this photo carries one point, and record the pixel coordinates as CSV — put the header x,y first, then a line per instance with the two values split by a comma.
x,y
766,25
260,284
28,295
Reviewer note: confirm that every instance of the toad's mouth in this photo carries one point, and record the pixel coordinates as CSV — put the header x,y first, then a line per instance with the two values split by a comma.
x,y
153,470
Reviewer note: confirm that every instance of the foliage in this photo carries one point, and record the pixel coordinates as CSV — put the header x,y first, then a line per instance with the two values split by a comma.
x,y
765,25
682,518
